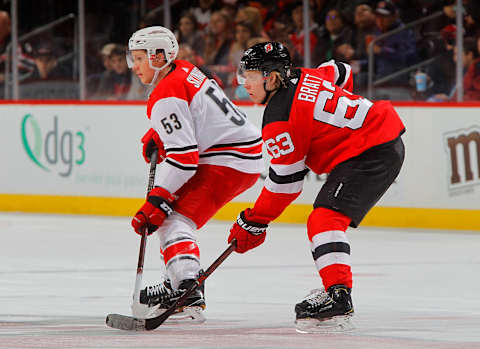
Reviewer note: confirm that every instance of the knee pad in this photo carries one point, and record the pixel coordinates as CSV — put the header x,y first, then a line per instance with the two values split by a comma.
x,y
175,226
180,250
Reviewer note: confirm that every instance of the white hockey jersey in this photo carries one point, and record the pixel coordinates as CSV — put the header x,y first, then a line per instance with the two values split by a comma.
x,y
198,124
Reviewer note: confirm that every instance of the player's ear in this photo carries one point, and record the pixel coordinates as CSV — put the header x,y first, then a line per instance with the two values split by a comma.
x,y
273,80
159,59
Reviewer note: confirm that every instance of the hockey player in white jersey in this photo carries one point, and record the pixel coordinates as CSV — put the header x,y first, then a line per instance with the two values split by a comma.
x,y
210,154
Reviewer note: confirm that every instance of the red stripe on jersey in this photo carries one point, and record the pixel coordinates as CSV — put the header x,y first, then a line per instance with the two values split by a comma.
x,y
181,248
246,150
187,158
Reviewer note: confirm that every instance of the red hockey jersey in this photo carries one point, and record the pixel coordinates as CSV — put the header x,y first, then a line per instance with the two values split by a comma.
x,y
314,124
198,124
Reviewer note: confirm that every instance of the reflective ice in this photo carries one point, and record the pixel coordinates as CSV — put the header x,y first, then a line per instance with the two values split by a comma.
x,y
61,275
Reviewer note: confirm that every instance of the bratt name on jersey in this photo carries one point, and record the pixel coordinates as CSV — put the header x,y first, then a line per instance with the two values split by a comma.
x,y
196,77
309,88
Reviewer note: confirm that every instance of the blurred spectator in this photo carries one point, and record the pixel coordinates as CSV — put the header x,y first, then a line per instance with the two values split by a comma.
x,y
4,35
321,8
253,16
203,12
279,31
47,65
336,39
440,72
93,80
449,36
397,51
185,52
478,43
243,32
447,17
218,41
25,63
115,83
150,19
472,17
471,80
366,29
189,33
473,14
4,29
52,77
298,35
277,12
229,7
105,54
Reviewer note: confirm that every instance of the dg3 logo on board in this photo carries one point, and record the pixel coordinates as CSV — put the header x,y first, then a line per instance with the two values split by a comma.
x,y
46,151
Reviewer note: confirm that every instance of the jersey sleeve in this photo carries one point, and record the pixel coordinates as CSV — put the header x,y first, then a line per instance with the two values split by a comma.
x,y
338,73
172,120
287,170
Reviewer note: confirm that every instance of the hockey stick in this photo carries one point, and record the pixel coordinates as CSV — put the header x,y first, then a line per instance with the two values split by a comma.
x,y
129,323
136,308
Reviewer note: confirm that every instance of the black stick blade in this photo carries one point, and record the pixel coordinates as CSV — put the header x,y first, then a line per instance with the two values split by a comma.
x,y
126,323
153,323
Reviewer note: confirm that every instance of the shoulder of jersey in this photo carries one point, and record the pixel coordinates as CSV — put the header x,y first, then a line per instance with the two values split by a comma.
x,y
338,73
175,84
278,109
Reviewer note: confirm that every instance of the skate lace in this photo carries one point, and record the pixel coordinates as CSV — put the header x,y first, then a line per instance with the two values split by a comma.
x,y
158,290
316,297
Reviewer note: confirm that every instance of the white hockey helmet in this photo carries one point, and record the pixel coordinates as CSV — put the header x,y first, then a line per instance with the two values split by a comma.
x,y
153,39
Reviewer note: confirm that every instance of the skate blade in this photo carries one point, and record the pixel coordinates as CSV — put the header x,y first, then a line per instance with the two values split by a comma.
x,y
190,315
332,325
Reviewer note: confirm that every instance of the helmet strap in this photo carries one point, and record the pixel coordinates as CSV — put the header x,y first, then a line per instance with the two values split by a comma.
x,y
157,71
155,76
267,92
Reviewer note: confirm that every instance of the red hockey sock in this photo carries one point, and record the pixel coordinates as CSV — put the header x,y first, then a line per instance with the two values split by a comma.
x,y
330,246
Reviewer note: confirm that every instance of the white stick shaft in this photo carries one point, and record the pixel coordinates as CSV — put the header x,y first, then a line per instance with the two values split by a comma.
x,y
136,291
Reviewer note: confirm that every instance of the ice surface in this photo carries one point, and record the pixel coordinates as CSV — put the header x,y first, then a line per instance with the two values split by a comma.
x,y
61,275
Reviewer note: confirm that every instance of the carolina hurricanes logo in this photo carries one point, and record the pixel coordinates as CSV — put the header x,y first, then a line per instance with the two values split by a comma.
x,y
268,47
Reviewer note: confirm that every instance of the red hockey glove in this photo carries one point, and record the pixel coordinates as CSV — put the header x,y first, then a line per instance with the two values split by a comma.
x,y
248,233
151,141
153,212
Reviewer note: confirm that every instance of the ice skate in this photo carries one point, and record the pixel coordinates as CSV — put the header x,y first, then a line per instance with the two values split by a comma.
x,y
159,298
325,312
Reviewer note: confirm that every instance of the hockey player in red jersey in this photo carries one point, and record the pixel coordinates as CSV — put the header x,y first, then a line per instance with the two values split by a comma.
x,y
313,122
210,154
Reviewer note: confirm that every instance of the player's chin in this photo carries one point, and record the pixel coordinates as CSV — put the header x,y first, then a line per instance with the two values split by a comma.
x,y
144,80
255,98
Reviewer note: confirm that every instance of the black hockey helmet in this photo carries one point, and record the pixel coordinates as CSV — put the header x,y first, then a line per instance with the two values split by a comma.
x,y
265,57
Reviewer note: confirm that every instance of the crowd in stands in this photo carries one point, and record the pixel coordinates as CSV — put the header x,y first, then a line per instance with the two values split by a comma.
x,y
213,34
